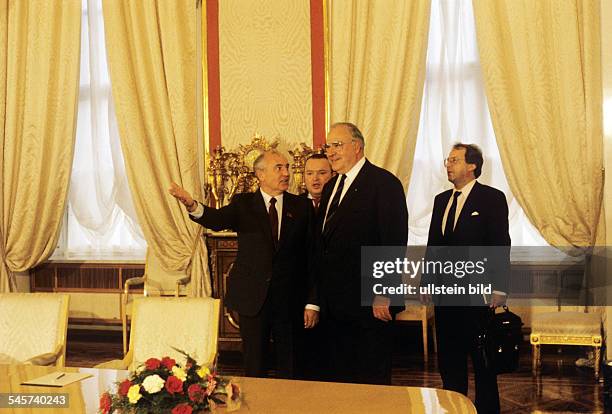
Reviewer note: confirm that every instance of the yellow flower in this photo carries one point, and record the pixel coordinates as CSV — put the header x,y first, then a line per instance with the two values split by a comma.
x,y
134,394
203,372
179,373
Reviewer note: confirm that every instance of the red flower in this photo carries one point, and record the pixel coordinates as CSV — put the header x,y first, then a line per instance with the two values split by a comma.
x,y
124,387
196,393
182,409
173,384
168,363
105,403
152,363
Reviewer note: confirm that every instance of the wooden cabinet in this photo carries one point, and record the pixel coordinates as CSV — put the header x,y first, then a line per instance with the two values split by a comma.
x,y
223,248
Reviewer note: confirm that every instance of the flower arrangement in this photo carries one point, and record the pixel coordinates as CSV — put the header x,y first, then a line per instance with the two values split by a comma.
x,y
163,386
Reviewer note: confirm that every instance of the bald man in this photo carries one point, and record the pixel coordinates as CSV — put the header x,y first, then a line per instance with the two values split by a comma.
x,y
268,284
364,205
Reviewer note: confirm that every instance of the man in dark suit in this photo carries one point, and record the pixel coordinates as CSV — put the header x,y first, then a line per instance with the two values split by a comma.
x,y
268,285
469,218
364,205
315,364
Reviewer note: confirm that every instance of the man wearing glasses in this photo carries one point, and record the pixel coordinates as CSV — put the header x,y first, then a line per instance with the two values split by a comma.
x,y
469,215
364,205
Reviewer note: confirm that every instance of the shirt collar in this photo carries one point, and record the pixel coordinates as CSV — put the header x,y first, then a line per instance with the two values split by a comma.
x,y
465,191
352,173
267,197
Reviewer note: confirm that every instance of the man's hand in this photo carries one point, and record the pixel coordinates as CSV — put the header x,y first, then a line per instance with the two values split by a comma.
x,y
380,308
497,300
183,196
311,318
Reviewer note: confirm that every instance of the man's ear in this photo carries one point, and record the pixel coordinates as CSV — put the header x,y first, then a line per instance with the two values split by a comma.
x,y
471,167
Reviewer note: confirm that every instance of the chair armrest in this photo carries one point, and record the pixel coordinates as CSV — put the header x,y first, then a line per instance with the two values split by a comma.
x,y
117,363
46,359
181,282
133,281
114,364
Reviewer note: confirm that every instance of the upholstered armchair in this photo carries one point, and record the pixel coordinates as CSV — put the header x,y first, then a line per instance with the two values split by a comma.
x,y
156,282
33,328
160,324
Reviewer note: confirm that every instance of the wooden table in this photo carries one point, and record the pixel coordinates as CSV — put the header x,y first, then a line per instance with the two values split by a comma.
x,y
266,396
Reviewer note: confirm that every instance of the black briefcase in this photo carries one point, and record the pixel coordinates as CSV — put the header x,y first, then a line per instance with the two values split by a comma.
x,y
501,342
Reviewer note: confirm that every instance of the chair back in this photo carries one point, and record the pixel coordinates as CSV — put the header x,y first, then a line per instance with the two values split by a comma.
x,y
32,324
160,324
159,282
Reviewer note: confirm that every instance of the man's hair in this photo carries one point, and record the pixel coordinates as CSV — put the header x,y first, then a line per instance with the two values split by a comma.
x,y
355,132
316,156
473,155
258,163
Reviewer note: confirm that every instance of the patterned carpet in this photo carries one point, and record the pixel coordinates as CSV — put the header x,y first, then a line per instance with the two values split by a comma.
x,y
562,387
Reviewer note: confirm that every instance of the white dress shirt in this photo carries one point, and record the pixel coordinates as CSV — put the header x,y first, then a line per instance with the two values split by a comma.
x,y
279,207
465,192
350,177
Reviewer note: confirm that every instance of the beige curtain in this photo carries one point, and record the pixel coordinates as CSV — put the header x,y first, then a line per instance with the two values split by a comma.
x,y
39,81
377,63
542,70
152,61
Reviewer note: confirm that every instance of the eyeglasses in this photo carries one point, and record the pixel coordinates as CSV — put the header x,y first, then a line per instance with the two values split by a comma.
x,y
452,161
337,145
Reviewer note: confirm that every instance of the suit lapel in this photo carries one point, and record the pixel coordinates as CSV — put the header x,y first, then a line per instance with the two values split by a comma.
x,y
261,213
349,200
287,215
439,214
468,207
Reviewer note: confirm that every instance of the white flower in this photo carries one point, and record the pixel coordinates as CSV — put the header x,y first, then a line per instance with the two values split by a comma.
x,y
179,373
153,383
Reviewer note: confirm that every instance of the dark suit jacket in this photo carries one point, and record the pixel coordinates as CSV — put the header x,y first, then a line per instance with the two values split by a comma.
x,y
258,266
373,212
483,227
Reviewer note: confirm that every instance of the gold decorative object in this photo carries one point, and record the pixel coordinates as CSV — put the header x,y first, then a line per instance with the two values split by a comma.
x,y
231,172
300,154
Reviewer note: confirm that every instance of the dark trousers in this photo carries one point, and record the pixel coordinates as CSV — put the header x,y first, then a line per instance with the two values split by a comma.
x,y
313,354
457,331
274,322
360,349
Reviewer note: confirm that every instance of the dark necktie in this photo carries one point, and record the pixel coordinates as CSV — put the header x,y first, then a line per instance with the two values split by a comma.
x,y
450,219
273,220
333,206
315,203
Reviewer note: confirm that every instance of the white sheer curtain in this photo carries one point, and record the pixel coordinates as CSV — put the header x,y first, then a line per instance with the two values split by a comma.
x,y
455,109
101,221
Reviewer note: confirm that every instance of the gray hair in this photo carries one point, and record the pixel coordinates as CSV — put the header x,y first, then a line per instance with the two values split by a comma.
x,y
355,132
258,164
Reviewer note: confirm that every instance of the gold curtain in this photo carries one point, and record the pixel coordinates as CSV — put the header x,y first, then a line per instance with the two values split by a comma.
x,y
39,83
152,61
378,52
542,70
